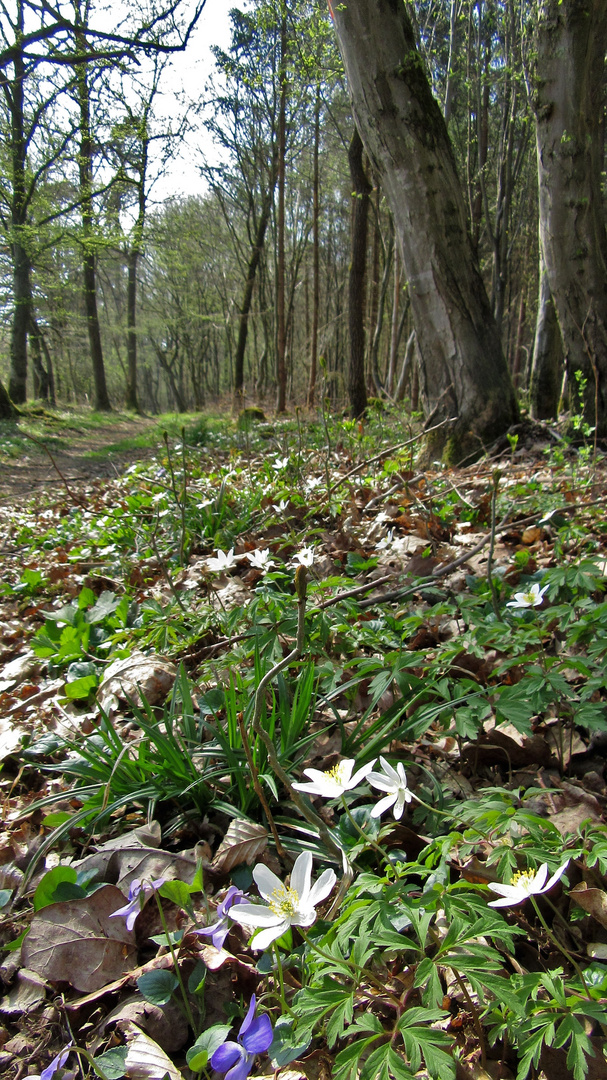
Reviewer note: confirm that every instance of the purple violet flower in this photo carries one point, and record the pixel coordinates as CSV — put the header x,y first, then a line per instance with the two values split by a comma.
x,y
218,931
235,1059
57,1063
139,893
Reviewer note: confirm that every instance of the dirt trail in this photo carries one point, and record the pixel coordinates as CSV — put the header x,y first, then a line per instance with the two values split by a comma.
x,y
34,471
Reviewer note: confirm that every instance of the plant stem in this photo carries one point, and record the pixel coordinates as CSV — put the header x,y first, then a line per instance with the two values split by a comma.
x,y
561,948
368,840
186,1003
494,600
281,981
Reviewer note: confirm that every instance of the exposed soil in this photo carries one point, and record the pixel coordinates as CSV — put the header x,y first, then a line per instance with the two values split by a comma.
x,y
42,470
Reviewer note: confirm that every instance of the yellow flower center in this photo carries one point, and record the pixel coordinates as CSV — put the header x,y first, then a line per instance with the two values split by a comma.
x,y
284,902
336,773
529,597
522,879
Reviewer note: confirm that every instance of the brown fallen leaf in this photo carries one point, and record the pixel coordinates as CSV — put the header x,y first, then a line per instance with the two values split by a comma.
x,y
77,942
243,843
145,1060
593,901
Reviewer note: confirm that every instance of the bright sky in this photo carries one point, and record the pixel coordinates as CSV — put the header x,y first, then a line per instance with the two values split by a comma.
x,y
189,73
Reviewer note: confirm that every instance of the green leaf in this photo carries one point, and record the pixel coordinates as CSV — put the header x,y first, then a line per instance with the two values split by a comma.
x,y
106,605
113,1063
288,1043
80,689
5,895
177,891
157,987
197,978
12,946
45,893
206,1045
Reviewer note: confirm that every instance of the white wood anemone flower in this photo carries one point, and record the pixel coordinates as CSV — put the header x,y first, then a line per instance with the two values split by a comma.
x,y
532,598
222,561
394,781
305,557
332,783
525,884
261,560
287,905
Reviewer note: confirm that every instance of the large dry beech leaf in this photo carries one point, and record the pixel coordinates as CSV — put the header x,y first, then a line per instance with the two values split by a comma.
x,y
136,855
243,843
77,942
152,676
145,1060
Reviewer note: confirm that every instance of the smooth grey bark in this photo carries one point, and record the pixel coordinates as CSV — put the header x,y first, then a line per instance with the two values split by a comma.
x,y
463,371
547,361
568,93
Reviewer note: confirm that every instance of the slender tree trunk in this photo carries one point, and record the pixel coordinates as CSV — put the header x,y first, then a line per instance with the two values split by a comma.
x,y
385,281
85,167
247,299
405,371
394,334
42,382
361,190
569,101
374,300
547,362
463,372
281,331
132,401
315,253
14,90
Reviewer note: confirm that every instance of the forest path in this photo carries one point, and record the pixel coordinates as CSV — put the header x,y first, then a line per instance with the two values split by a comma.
x,y
79,453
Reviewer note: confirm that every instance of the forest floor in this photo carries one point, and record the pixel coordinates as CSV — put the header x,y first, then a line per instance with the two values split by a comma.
x,y
45,451
162,690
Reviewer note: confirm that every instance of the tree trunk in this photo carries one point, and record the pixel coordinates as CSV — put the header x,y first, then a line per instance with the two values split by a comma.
x,y
569,101
245,307
281,331
132,401
547,362
7,409
361,190
463,372
85,168
315,253
394,334
14,91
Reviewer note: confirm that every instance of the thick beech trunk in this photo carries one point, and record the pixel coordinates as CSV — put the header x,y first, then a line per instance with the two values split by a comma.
x,y
569,101
361,191
464,374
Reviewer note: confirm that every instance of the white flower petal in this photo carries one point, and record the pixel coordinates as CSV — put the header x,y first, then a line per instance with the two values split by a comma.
x,y
504,902
555,877
266,937
537,884
301,874
321,888
361,774
254,915
384,804
389,771
266,881
381,782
